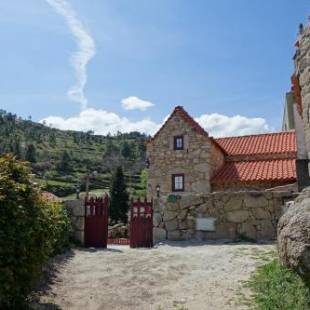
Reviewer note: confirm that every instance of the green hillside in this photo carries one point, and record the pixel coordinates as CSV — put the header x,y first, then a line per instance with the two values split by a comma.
x,y
61,159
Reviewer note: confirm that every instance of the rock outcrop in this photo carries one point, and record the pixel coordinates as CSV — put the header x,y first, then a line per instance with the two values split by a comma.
x,y
294,235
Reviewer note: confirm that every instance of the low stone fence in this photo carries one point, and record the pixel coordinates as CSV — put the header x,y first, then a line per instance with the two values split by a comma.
x,y
76,211
251,215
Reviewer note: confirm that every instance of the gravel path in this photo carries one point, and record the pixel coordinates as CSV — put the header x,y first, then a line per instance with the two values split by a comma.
x,y
179,275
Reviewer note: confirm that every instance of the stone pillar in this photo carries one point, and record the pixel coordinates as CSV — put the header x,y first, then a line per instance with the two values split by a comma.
x,y
76,213
302,64
159,233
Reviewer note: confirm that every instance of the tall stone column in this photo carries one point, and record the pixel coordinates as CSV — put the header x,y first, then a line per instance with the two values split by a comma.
x,y
302,65
301,88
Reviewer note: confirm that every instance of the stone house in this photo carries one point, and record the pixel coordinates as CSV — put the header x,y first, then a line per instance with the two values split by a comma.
x,y
184,160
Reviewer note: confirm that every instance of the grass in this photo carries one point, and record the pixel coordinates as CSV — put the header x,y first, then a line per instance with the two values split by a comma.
x,y
273,287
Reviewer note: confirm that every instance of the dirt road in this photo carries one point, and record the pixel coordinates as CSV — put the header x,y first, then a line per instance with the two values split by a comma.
x,y
170,276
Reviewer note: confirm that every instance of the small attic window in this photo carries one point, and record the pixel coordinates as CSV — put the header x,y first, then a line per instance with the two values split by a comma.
x,y
179,142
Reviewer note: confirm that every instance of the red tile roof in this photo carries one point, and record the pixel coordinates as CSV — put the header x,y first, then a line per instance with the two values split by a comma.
x,y
280,170
263,144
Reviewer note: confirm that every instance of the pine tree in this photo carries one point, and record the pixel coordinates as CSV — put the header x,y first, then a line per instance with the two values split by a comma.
x,y
31,153
118,197
126,150
17,149
52,139
141,150
109,146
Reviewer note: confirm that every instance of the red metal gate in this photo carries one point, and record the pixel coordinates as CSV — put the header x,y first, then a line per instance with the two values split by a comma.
x,y
96,222
141,224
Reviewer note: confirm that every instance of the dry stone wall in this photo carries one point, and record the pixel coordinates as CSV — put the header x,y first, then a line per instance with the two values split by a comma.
x,y
222,215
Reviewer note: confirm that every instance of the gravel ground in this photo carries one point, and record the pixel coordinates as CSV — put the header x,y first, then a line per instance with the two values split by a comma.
x,y
179,275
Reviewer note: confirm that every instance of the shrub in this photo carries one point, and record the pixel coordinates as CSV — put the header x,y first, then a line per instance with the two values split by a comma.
x,y
31,230
276,287
60,189
59,227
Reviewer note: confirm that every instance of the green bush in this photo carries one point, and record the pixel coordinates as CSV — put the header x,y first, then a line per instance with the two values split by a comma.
x,y
60,189
31,230
59,227
275,287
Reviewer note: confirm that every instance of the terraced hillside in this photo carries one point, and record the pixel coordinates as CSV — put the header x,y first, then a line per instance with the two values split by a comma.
x,y
62,159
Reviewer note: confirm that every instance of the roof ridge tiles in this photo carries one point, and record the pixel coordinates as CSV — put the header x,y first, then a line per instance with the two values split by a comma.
x,y
292,131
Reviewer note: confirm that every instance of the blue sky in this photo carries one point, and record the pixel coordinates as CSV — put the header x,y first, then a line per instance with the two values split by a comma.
x,y
217,58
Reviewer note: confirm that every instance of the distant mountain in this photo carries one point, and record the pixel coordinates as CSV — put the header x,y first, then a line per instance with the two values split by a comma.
x,y
61,159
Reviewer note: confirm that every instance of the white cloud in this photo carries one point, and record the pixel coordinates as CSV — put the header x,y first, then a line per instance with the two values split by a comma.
x,y
135,103
104,122
219,125
101,122
85,53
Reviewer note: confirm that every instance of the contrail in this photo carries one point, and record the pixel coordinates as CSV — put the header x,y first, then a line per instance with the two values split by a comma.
x,y
85,53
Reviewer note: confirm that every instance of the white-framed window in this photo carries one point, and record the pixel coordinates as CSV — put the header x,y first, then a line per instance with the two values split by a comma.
x,y
179,142
178,182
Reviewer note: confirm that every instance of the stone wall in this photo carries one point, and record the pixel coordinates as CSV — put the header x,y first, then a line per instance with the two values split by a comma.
x,y
197,161
222,215
76,211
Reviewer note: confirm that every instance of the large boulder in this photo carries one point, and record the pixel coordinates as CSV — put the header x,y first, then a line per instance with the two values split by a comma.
x,y
294,235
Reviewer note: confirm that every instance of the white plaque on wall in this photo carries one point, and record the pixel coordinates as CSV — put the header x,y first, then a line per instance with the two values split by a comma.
x,y
205,223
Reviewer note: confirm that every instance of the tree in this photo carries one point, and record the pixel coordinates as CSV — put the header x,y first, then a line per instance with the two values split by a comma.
x,y
126,150
64,165
17,149
31,155
141,149
110,148
118,197
52,139
31,230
